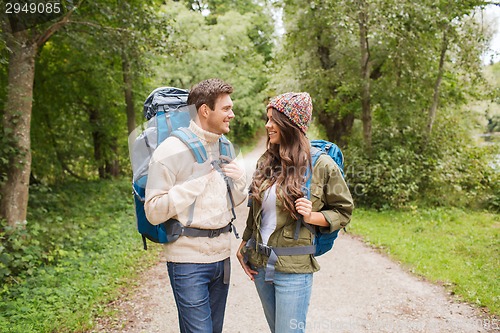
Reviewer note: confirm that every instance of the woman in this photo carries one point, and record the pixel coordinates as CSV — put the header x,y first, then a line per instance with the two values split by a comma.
x,y
277,202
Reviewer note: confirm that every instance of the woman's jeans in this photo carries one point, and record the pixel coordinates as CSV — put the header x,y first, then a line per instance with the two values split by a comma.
x,y
200,295
286,301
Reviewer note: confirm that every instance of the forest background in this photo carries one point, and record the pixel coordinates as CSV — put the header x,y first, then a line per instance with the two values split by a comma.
x,y
400,86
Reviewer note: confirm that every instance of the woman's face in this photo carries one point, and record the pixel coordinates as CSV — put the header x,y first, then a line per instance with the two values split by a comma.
x,y
273,131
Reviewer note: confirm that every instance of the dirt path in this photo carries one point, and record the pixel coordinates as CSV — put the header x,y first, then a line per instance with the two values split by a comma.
x,y
357,290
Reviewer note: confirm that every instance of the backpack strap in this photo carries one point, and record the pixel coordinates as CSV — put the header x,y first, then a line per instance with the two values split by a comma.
x,y
226,150
200,154
315,154
210,233
274,252
193,142
164,125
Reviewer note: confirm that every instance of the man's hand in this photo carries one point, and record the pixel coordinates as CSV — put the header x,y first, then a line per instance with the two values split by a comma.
x,y
233,170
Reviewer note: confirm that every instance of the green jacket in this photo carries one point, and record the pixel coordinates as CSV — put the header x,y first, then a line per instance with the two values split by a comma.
x,y
329,195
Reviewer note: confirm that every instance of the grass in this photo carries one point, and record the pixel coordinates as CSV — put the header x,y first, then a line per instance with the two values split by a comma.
x,y
92,233
458,249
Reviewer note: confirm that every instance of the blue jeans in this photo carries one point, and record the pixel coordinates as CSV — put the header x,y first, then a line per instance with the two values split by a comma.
x,y
285,302
200,295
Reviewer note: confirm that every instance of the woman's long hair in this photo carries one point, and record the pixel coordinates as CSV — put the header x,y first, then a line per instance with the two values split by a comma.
x,y
284,165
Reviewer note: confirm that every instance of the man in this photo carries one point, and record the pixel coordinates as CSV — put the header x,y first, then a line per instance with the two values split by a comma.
x,y
196,195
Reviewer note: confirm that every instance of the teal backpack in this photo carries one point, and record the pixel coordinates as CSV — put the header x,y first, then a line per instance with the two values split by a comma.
x,y
167,114
323,241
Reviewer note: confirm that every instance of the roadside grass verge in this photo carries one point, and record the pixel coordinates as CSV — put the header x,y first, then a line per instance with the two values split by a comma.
x,y
91,252
458,249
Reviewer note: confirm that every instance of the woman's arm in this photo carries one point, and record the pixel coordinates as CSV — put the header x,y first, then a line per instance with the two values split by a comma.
x,y
338,204
239,254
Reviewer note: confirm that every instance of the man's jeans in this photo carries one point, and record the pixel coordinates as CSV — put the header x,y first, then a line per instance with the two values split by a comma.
x,y
200,295
285,302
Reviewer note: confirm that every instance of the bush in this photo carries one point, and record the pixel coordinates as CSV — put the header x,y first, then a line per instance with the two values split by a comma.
x,y
20,252
388,178
462,179
402,168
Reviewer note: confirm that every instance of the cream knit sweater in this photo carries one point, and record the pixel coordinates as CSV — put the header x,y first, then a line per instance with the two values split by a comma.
x,y
171,190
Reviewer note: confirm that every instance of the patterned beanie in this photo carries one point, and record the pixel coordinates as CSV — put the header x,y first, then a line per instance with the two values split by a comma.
x,y
296,106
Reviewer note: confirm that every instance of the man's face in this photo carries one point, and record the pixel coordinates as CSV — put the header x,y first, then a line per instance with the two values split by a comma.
x,y
219,118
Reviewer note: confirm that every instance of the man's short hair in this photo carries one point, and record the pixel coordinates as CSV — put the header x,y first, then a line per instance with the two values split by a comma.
x,y
207,92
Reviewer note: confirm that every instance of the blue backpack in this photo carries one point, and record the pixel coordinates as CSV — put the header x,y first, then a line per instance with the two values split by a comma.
x,y
167,115
324,241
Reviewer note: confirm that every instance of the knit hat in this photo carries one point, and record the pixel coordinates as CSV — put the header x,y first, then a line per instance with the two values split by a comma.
x,y
296,106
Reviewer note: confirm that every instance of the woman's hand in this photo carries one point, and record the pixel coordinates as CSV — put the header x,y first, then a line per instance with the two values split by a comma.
x,y
304,208
248,271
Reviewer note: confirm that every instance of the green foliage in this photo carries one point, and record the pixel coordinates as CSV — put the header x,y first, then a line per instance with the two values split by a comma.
x,y
387,178
225,49
405,162
19,252
78,113
261,19
76,250
450,246
448,170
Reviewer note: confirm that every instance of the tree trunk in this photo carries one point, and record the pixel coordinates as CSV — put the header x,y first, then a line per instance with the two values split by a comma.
x,y
98,139
23,46
365,78
16,124
112,164
129,101
105,148
437,85
337,129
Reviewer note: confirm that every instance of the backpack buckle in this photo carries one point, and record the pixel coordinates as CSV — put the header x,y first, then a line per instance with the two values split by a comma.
x,y
214,233
264,249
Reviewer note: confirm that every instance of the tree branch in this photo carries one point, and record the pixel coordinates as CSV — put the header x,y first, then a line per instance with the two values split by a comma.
x,y
40,40
95,25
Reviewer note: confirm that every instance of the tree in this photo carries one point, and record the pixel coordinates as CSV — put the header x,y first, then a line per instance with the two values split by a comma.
x,y
382,75
23,45
117,31
107,61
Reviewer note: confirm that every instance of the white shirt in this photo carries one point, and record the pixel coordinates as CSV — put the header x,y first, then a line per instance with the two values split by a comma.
x,y
268,224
